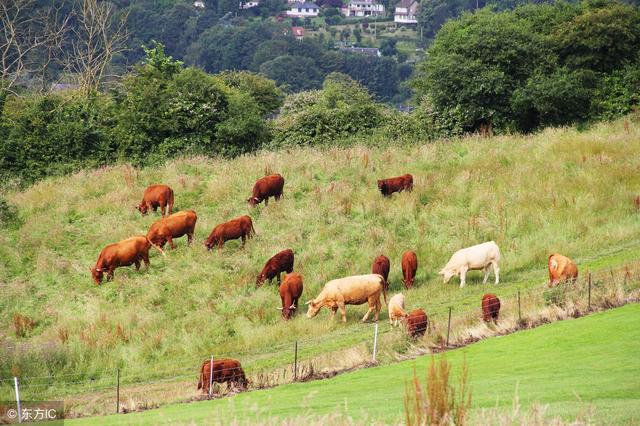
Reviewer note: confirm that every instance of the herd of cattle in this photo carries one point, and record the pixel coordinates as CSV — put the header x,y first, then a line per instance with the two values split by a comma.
x,y
336,294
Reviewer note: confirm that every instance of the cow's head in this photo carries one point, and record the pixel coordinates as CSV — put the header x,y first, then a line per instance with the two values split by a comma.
x,y
208,243
253,201
287,312
96,274
261,279
314,307
142,208
447,274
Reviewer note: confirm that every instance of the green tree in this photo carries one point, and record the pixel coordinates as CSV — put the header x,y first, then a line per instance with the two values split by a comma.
x,y
297,72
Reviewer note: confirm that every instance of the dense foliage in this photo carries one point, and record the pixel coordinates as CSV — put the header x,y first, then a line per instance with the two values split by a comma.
x,y
534,66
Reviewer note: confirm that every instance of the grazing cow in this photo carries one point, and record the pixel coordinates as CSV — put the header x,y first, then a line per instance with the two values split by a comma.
x,y
381,266
490,307
280,262
157,196
409,268
124,253
476,257
396,309
354,290
240,227
417,323
290,292
225,370
175,226
395,184
561,269
268,186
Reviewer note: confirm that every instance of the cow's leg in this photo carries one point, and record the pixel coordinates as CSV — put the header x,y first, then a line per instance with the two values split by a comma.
x,y
486,273
279,279
110,273
378,308
244,240
170,241
145,259
137,262
372,305
163,209
463,276
189,238
496,271
333,312
343,311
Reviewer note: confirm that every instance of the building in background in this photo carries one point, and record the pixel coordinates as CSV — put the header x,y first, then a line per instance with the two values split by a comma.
x,y
362,8
303,10
406,12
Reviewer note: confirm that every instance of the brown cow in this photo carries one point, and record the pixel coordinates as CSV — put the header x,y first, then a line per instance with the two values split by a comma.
x,y
225,370
409,268
290,292
175,226
490,307
381,266
395,184
268,186
240,227
157,196
280,262
561,269
124,253
417,323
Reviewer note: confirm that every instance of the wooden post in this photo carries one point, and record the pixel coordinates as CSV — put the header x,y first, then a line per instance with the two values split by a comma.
x,y
449,326
589,300
375,341
210,375
519,312
17,387
295,364
117,390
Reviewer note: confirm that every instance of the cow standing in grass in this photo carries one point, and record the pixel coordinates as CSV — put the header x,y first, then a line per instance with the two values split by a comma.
x,y
481,256
354,290
175,226
409,268
280,262
395,184
396,309
561,269
157,196
290,292
381,266
268,186
490,307
225,370
124,253
417,323
241,227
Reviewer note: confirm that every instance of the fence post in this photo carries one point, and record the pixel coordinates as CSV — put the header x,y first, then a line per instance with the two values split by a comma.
x,y
375,342
15,381
210,375
449,326
589,300
295,364
519,312
117,390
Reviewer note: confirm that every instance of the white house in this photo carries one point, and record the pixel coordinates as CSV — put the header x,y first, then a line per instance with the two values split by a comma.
x,y
406,12
249,4
198,4
303,10
363,8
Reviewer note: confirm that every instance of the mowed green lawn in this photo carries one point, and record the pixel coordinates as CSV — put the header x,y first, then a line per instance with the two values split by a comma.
x,y
569,366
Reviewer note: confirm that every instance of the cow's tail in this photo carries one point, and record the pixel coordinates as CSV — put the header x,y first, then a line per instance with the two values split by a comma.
x,y
253,231
156,247
170,203
384,291
201,381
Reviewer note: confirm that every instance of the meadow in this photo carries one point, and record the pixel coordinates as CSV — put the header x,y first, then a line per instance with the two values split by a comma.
x,y
584,369
561,190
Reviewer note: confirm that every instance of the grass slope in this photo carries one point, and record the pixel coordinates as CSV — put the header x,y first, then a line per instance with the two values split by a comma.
x,y
567,365
560,190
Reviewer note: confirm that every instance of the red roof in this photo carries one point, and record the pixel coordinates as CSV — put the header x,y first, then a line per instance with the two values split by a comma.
x,y
297,31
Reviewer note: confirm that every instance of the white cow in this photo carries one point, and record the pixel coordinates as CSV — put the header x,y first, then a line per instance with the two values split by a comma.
x,y
396,309
354,290
476,257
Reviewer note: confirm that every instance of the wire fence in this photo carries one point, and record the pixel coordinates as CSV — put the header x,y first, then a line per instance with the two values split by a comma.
x,y
449,325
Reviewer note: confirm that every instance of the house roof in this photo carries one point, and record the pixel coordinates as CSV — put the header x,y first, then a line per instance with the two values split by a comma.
x,y
297,31
406,3
305,5
369,51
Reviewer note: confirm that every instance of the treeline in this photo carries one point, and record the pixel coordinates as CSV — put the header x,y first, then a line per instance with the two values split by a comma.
x,y
535,66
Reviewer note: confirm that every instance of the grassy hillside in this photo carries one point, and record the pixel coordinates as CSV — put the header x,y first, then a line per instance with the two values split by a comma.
x,y
560,190
570,366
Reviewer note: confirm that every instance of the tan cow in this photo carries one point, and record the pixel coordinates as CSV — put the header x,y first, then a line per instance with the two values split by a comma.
x,y
396,309
561,269
354,290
